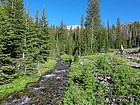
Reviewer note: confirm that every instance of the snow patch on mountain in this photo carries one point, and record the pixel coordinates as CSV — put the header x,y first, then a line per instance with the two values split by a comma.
x,y
72,27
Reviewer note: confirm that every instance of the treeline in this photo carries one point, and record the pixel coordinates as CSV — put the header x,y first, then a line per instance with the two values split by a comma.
x,y
26,42
127,34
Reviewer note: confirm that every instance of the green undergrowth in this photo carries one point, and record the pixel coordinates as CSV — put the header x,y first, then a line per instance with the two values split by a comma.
x,y
102,79
20,83
67,58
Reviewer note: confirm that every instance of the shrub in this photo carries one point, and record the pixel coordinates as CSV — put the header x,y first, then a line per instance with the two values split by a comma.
x,y
67,58
101,80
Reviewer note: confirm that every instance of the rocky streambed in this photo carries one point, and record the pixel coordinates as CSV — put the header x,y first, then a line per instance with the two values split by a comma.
x,y
47,91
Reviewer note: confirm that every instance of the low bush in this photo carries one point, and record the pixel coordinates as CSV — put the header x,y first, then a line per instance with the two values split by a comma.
x,y
101,80
67,58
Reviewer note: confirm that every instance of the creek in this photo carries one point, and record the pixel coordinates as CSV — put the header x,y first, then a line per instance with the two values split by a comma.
x,y
48,90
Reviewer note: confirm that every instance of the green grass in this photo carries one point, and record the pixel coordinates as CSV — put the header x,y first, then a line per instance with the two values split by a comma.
x,y
20,83
47,66
66,57
85,87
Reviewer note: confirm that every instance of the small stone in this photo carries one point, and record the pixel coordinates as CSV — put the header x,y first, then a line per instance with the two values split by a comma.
x,y
58,78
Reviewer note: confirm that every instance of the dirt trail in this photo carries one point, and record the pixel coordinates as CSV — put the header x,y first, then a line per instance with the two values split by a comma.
x,y
47,91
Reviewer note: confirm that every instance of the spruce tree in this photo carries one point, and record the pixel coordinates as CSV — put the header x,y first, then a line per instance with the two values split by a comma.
x,y
134,34
52,42
15,12
113,37
70,41
28,45
93,22
7,68
103,45
119,37
82,36
109,33
37,44
4,25
62,37
44,36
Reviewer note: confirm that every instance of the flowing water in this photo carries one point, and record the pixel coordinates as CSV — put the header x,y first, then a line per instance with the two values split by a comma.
x,y
47,91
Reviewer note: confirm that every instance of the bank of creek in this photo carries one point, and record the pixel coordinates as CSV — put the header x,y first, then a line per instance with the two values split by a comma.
x,y
47,91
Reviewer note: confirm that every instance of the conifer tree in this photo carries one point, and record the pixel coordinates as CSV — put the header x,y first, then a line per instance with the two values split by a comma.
x,y
82,36
38,42
113,36
103,45
15,12
93,22
62,36
52,42
44,36
28,45
77,38
70,42
109,33
4,55
7,68
134,34
119,38
82,21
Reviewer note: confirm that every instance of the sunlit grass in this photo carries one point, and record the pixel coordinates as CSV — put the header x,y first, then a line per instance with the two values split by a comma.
x,y
20,83
88,83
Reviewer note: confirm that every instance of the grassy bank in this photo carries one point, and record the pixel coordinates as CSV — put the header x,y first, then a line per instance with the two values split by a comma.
x,y
19,83
101,80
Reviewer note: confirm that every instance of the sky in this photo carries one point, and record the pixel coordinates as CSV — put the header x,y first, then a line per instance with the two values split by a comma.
x,y
70,11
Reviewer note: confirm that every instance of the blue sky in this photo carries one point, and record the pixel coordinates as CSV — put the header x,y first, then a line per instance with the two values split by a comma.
x,y
71,10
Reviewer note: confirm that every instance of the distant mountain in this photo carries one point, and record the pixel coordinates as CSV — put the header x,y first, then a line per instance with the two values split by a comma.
x,y
131,33
129,23
73,27
131,29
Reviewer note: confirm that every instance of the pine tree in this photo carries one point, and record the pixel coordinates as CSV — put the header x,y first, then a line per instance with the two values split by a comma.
x,y
82,36
7,69
44,36
113,36
134,34
82,21
37,44
119,37
62,37
77,40
4,25
93,22
103,45
15,12
52,42
109,34
28,45
70,45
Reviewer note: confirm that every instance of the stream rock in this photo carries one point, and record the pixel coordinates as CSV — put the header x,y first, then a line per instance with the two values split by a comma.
x,y
47,91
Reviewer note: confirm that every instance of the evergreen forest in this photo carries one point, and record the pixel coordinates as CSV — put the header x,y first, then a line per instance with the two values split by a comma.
x,y
29,47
